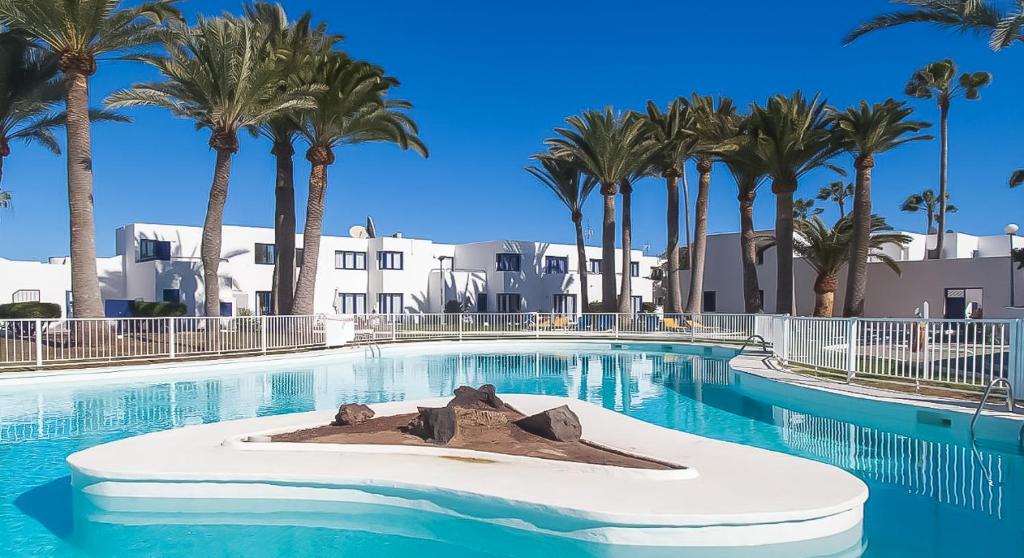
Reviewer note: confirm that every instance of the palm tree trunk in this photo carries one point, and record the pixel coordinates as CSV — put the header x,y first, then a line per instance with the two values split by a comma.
x,y
930,216
210,250
284,230
784,303
305,289
940,240
857,269
694,301
686,226
842,208
581,256
824,295
85,283
626,289
608,249
748,252
673,298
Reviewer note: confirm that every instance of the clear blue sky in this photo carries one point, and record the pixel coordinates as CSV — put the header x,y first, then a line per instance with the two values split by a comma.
x,y
490,80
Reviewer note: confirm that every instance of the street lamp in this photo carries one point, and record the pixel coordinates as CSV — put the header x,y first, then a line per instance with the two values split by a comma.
x,y
1010,231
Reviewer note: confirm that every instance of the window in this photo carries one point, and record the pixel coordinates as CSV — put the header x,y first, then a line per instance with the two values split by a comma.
x,y
264,303
634,269
351,303
266,254
507,262
390,260
349,260
637,304
556,264
710,303
564,304
172,295
595,266
26,295
299,254
509,302
390,303
150,249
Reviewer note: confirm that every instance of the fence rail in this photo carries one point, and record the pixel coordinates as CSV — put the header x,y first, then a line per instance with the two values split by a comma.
x,y
959,353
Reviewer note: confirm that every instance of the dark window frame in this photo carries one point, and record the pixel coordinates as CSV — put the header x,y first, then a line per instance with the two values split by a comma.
x,y
357,265
150,250
634,269
265,250
594,265
345,301
562,267
503,306
389,256
508,257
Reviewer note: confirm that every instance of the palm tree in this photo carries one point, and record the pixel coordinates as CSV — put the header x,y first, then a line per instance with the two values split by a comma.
x,y
714,124
352,109
672,131
222,74
792,137
937,80
837,192
30,92
1003,24
866,131
299,42
77,33
827,250
804,209
564,178
749,172
928,202
612,148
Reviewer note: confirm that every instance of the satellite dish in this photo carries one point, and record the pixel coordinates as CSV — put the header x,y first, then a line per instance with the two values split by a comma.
x,y
370,229
358,231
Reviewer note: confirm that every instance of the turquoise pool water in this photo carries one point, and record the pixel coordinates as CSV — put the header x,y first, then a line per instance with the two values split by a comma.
x,y
930,496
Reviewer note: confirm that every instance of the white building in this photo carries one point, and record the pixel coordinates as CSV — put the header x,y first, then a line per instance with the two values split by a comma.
x,y
973,272
355,275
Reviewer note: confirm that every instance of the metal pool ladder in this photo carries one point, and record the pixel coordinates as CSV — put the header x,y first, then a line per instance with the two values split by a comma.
x,y
755,337
374,350
1009,405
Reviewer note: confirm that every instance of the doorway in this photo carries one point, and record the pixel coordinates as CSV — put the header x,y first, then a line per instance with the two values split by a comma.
x,y
961,303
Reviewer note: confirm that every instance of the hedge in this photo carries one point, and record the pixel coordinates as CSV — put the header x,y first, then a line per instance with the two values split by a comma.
x,y
142,309
29,310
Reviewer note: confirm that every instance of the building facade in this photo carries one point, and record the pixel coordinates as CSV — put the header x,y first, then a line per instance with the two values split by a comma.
x,y
354,275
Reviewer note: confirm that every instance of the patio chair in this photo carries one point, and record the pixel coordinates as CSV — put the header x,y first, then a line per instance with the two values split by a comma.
x,y
672,324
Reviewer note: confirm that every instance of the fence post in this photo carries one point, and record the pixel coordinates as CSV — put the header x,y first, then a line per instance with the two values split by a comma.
x,y
394,328
171,337
536,325
263,333
39,343
851,348
616,320
1015,373
462,321
693,327
785,338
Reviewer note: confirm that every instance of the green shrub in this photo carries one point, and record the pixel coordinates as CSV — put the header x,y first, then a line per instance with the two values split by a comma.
x,y
29,310
143,309
454,307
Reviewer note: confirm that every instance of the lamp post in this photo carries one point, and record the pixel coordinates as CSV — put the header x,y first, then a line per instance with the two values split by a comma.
x,y
1010,231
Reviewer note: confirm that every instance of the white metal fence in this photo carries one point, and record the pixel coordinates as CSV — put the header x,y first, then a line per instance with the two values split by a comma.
x,y
961,353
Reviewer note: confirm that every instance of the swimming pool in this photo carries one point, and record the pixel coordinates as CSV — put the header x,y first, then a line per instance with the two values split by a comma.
x,y
930,496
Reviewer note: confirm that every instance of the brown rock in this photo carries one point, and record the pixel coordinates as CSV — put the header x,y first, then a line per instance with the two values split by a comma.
x,y
352,413
480,418
483,398
559,424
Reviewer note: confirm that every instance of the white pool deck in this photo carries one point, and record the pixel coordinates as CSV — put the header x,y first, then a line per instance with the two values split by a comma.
x,y
727,495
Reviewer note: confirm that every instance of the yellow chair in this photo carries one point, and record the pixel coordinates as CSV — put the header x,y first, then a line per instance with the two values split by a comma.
x,y
672,324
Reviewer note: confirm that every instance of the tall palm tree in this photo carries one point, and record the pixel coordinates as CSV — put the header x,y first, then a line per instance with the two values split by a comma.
x,y
865,131
936,80
838,192
714,124
564,178
352,109
299,43
792,137
222,74
610,147
77,33
749,172
30,93
1004,24
803,209
928,202
673,131
827,250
